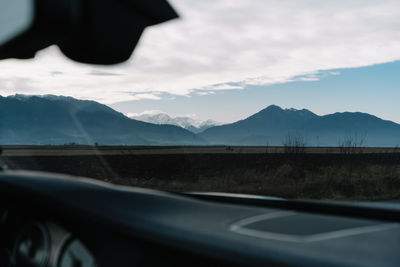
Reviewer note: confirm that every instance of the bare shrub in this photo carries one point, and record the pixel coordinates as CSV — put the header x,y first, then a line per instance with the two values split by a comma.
x,y
267,146
294,143
229,148
352,144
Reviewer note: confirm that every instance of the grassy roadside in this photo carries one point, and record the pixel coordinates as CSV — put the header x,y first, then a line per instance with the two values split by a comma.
x,y
367,176
372,183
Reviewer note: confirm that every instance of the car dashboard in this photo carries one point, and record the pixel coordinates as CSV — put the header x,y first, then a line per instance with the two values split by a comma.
x,y
56,220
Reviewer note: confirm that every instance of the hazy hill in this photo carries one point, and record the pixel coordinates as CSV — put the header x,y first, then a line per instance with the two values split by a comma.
x,y
57,120
193,125
272,125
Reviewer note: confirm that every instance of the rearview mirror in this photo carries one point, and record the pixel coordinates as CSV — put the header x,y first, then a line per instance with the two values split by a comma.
x,y
87,31
16,16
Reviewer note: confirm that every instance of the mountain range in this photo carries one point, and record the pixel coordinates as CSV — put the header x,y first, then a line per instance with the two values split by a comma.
x,y
52,120
55,120
188,123
273,125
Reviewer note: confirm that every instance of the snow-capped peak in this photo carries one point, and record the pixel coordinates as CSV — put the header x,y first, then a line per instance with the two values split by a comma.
x,y
187,122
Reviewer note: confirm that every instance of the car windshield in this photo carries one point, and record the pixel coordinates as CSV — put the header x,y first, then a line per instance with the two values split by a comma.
x,y
292,99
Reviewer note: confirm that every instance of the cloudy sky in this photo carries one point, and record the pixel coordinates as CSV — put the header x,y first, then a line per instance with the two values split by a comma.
x,y
226,59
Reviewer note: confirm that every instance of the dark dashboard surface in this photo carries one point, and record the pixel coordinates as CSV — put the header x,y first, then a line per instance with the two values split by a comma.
x,y
122,226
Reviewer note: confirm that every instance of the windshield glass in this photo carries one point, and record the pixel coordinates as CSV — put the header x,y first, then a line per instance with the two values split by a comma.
x,y
293,99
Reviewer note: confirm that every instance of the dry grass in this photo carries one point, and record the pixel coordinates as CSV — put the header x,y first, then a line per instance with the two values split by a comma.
x,y
292,146
309,175
374,182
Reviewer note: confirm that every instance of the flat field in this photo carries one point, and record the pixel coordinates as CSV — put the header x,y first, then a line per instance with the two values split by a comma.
x,y
77,150
315,173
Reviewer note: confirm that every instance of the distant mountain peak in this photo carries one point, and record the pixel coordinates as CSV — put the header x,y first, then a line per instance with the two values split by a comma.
x,y
278,108
187,122
46,96
273,108
301,112
274,111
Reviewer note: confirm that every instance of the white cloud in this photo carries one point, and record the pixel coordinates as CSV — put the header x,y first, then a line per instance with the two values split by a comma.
x,y
146,112
205,93
334,72
223,87
217,43
140,96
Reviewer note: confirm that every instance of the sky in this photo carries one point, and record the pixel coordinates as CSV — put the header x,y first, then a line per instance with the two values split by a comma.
x,y
227,59
372,89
